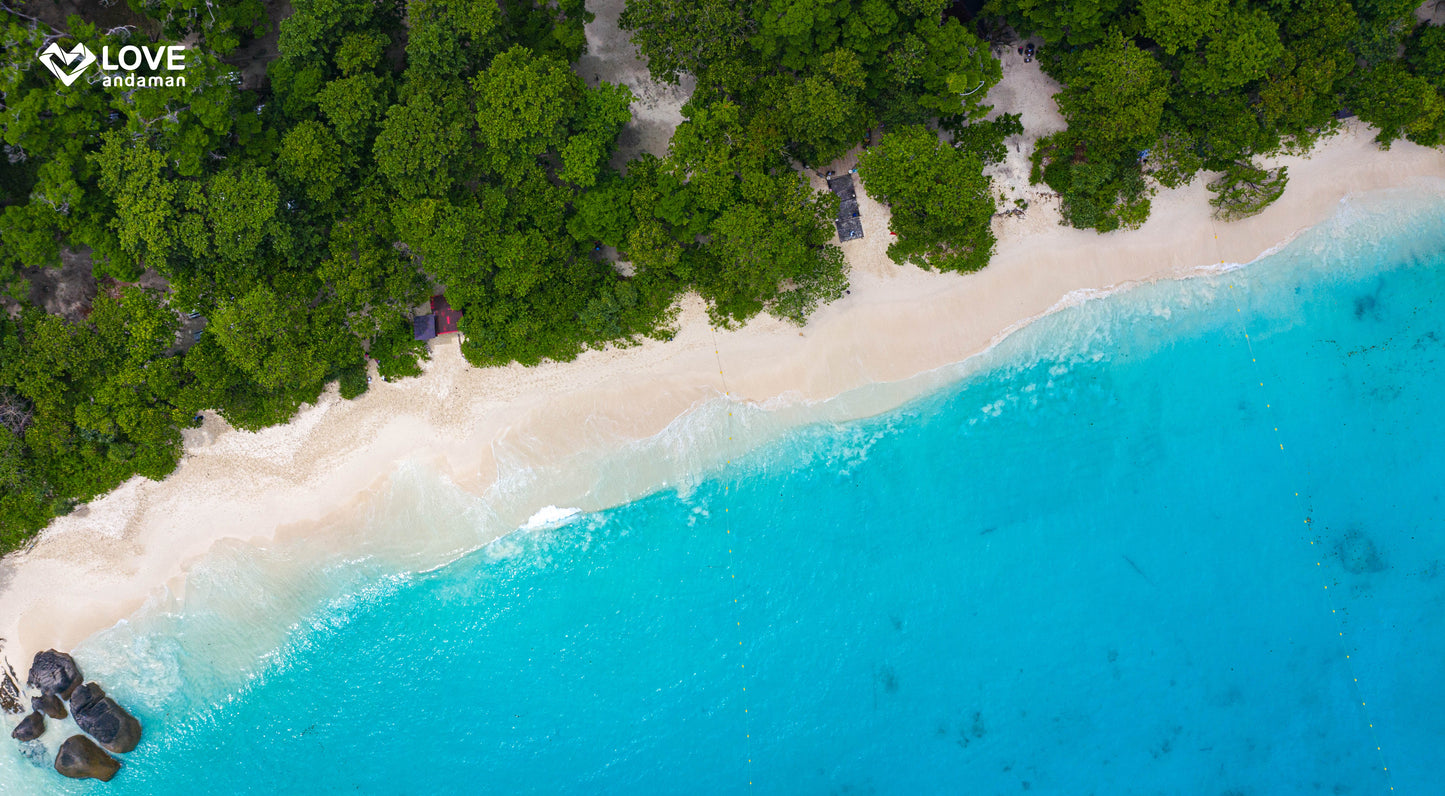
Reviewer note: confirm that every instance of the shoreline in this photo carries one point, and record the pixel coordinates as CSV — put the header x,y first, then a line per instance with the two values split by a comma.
x,y
893,334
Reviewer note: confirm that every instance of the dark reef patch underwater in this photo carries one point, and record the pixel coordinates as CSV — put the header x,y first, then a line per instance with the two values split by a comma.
x,y
1131,550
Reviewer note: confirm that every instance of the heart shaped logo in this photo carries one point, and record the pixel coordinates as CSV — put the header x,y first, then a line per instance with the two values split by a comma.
x,y
67,65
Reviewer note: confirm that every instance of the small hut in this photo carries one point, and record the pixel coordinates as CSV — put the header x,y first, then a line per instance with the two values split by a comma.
x,y
442,320
849,221
447,318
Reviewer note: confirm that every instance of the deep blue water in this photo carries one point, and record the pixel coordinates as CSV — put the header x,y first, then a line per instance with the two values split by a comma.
x,y
1185,539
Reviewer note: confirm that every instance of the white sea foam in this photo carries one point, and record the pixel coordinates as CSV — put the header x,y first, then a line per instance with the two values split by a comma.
x,y
551,517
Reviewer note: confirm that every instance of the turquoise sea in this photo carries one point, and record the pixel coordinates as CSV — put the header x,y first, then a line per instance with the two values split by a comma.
x,y
1184,539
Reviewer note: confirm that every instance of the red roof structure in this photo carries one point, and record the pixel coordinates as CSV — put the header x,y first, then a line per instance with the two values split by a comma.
x,y
447,318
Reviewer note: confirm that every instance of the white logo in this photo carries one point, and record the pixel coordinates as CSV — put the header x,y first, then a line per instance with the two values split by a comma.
x,y
119,68
57,61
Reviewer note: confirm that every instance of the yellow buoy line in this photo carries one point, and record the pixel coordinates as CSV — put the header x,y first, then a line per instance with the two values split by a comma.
x,y
1328,600
732,574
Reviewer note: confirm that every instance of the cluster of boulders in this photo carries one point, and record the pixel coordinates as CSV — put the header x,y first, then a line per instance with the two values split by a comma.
x,y
57,678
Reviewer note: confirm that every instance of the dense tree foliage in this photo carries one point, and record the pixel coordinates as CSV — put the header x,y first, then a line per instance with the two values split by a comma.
x,y
822,72
806,80
1158,90
1114,101
85,406
219,24
941,203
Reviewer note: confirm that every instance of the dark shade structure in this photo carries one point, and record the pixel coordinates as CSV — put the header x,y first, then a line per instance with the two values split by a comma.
x,y
849,222
447,318
442,320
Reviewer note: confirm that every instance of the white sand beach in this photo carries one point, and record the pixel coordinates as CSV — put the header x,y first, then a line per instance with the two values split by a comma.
x,y
98,565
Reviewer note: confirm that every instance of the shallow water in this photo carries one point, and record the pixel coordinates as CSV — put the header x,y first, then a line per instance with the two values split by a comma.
x,y
1184,539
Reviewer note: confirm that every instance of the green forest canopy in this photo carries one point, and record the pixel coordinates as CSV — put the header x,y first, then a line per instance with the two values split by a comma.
x,y
393,148
1157,91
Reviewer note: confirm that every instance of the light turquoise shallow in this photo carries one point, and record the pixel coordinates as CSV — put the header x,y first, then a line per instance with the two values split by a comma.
x,y
1131,551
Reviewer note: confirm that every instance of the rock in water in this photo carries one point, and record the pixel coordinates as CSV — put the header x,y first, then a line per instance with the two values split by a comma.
x,y
30,728
50,705
86,695
80,758
105,720
54,673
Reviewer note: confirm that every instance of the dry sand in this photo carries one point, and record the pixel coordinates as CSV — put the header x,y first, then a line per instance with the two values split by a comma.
x,y
98,565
